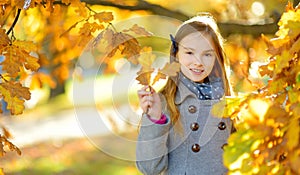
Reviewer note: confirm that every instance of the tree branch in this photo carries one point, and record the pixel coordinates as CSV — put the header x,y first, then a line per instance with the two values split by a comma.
x,y
225,28
142,5
15,22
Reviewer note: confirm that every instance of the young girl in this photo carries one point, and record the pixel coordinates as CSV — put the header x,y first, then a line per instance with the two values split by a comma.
x,y
178,133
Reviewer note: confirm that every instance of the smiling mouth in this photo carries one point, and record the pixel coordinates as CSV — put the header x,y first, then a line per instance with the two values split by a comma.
x,y
197,71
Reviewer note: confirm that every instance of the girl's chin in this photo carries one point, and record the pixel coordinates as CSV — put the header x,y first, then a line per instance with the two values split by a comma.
x,y
196,79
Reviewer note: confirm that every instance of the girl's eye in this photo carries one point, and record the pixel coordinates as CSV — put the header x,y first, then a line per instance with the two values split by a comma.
x,y
208,55
189,53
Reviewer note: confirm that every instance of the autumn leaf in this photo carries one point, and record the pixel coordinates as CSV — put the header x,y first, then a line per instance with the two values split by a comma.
x,y
295,46
292,134
276,45
28,46
276,85
138,30
169,70
80,8
6,133
282,61
144,77
31,63
4,40
131,50
14,104
294,28
104,17
146,58
18,55
5,142
16,89
127,44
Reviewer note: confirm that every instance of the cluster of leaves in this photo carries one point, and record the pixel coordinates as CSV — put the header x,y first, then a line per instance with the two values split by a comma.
x,y
125,44
115,44
145,74
267,140
16,66
23,60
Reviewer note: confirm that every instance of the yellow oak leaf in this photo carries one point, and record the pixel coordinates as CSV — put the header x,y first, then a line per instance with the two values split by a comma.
x,y
32,63
81,10
159,76
127,44
104,17
171,69
138,30
28,46
282,61
16,89
18,55
144,77
146,58
4,40
131,50
14,104
10,66
168,70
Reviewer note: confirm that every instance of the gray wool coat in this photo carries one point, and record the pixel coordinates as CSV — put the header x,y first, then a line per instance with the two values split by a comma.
x,y
196,150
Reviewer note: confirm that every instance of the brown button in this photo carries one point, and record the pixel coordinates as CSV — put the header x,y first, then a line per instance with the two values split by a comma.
x,y
196,148
194,126
192,109
222,126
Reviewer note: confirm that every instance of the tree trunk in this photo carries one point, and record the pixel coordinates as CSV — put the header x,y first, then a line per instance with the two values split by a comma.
x,y
59,89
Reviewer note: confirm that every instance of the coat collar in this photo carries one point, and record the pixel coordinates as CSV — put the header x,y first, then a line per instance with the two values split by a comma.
x,y
182,93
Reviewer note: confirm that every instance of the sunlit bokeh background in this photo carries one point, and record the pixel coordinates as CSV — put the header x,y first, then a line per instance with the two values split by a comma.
x,y
51,133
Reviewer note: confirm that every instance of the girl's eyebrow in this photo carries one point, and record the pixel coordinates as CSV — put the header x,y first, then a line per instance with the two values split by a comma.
x,y
192,49
211,50
188,48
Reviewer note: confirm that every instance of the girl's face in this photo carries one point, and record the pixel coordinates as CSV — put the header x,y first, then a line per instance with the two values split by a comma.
x,y
196,55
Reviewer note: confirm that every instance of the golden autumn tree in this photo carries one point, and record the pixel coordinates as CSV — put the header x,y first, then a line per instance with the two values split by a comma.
x,y
71,26
267,140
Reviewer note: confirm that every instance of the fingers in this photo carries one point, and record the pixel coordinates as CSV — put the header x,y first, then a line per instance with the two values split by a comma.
x,y
146,98
146,102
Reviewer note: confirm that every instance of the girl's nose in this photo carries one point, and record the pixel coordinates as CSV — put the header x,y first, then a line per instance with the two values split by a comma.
x,y
198,60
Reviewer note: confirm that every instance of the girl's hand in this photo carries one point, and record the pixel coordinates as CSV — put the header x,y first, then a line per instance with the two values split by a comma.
x,y
150,102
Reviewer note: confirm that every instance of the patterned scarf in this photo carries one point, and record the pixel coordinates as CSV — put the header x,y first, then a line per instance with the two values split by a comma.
x,y
204,91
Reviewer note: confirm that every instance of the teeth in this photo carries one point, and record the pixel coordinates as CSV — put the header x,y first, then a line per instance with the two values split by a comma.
x,y
197,70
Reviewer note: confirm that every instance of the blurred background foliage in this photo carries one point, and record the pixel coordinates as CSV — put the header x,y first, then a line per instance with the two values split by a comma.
x,y
62,30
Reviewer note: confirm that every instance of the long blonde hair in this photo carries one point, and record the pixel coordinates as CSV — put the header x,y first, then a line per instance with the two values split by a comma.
x,y
201,23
